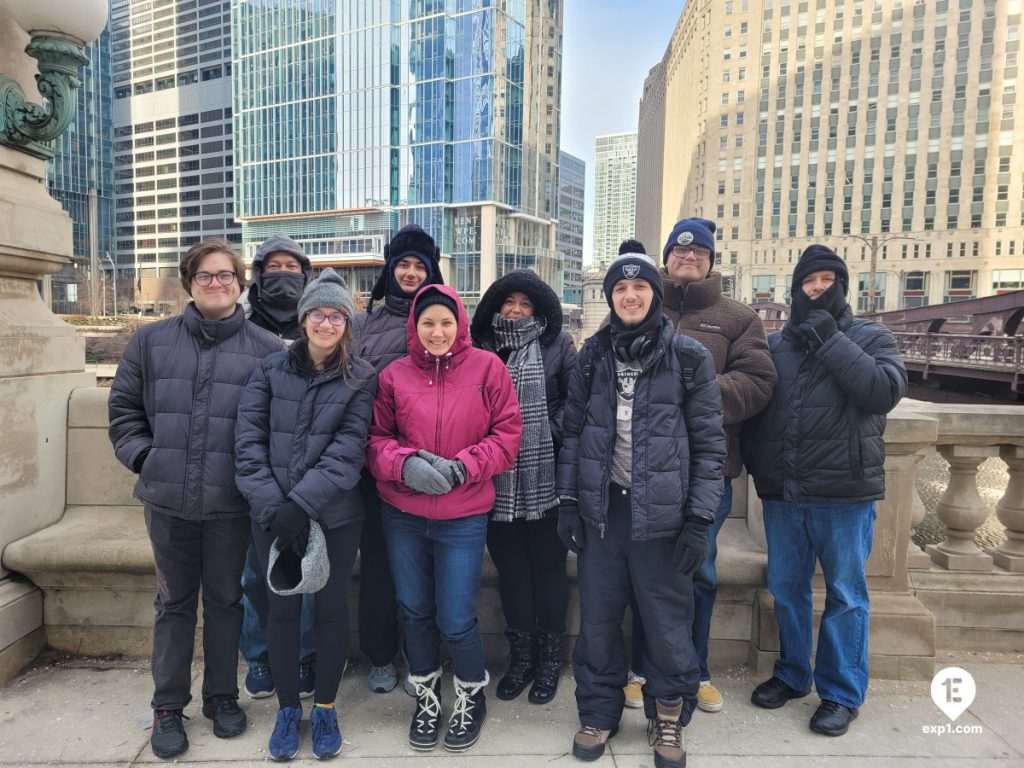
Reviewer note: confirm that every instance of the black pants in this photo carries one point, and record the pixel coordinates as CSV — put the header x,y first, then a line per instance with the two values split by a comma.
x,y
534,586
331,619
378,606
609,569
189,554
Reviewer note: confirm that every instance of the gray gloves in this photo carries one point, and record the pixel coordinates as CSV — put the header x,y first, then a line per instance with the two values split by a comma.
x,y
418,474
454,471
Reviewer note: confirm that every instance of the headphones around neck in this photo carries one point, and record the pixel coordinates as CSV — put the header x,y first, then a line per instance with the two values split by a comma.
x,y
636,349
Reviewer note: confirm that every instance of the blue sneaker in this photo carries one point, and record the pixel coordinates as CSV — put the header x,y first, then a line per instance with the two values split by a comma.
x,y
284,741
307,680
259,681
326,736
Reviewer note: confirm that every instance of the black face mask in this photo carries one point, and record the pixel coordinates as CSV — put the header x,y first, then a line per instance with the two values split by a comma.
x,y
832,301
281,290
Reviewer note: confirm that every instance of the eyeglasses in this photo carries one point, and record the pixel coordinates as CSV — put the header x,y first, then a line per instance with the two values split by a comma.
x,y
335,319
206,278
700,254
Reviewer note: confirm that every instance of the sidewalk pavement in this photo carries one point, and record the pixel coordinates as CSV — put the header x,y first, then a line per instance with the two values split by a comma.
x,y
90,712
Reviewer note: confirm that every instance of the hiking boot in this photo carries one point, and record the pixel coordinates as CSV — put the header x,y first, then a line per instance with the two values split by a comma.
x,y
168,738
549,667
259,681
326,734
665,734
709,698
228,719
773,693
521,665
468,716
588,743
426,718
833,718
284,741
307,679
635,691
382,679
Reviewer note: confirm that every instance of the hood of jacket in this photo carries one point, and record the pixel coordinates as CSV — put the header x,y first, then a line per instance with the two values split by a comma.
x,y
545,304
417,351
274,244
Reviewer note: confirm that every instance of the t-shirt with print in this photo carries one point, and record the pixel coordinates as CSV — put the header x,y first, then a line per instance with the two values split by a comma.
x,y
626,374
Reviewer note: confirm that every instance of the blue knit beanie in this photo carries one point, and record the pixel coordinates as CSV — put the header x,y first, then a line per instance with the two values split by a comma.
x,y
694,231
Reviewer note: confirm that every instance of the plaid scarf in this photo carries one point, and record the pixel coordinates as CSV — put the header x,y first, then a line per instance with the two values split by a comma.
x,y
527,490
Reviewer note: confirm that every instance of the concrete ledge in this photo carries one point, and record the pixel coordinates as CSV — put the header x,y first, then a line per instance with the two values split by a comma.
x,y
974,611
17,656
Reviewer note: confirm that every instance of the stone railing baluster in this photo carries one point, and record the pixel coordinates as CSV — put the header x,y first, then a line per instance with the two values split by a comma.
x,y
962,510
917,557
1010,510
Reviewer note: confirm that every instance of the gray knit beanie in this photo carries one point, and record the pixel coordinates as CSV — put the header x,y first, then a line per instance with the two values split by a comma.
x,y
328,290
287,575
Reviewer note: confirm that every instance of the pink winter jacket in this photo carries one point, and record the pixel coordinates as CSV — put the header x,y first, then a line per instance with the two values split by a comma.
x,y
459,406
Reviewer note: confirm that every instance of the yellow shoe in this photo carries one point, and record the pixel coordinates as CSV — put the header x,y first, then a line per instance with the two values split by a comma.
x,y
635,691
709,698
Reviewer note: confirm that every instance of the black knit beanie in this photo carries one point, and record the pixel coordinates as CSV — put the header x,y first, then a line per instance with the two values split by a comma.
x,y
429,298
819,258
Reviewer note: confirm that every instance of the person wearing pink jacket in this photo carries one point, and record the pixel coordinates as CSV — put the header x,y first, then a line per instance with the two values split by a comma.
x,y
445,421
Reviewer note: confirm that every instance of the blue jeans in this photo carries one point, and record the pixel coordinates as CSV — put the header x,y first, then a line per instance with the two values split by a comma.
x,y
253,641
839,535
436,566
705,588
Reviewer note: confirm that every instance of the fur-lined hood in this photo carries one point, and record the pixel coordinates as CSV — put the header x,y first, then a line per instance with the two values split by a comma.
x,y
545,304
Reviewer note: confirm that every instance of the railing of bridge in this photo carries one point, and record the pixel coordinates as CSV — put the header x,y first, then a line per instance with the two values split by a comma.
x,y
1000,353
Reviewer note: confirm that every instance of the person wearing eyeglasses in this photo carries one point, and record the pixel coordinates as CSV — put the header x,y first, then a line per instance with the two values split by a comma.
x,y
172,412
302,426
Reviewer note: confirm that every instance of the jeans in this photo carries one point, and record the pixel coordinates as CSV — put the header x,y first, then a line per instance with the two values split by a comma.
x,y
436,566
253,642
839,535
705,588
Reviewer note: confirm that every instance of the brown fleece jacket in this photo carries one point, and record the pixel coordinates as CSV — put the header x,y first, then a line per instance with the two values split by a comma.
x,y
735,336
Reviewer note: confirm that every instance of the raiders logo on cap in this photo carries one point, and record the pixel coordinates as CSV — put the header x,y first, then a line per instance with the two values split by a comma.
x,y
630,270
685,238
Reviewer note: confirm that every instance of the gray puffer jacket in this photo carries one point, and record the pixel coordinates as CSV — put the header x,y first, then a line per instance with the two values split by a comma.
x,y
172,410
304,438
678,439
820,436
380,332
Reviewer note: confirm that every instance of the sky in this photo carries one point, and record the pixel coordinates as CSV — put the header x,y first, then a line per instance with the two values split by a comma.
x,y
608,47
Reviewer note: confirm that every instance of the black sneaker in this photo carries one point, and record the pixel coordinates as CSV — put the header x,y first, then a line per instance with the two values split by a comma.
x,y
467,718
228,718
168,739
832,718
773,693
424,730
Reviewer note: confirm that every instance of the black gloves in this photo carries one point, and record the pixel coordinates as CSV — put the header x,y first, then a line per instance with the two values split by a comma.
x,y
290,524
454,470
570,526
691,546
818,328
418,474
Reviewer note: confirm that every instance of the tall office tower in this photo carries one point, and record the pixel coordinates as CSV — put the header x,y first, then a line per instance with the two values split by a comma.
x,y
572,174
614,194
353,119
883,129
174,184
81,177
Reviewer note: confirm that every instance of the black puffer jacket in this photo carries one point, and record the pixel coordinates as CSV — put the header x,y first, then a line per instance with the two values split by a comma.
x,y
678,438
820,436
172,410
380,332
556,346
304,438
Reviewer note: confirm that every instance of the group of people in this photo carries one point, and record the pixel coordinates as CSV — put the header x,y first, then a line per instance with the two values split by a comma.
x,y
278,435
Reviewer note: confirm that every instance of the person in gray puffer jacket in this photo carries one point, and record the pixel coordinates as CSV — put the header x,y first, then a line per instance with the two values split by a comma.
x,y
411,260
817,457
639,481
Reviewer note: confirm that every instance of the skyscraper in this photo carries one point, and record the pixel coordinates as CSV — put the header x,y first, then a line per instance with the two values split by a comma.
x,y
884,129
174,182
614,194
353,119
82,164
572,174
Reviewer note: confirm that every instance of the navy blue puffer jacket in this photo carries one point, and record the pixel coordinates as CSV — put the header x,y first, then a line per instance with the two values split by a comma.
x,y
304,438
820,436
678,438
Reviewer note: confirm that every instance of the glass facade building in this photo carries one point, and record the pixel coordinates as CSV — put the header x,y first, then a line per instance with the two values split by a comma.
x,y
614,194
353,119
572,174
83,162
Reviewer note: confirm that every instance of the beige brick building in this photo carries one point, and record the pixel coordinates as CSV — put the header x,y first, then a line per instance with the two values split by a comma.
x,y
615,194
874,126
